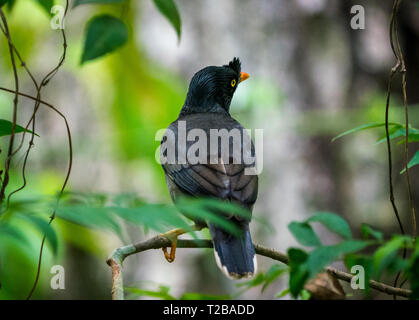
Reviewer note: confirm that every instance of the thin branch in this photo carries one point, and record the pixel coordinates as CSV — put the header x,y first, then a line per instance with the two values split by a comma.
x,y
118,256
13,50
403,71
38,87
44,82
390,163
67,177
401,67
5,182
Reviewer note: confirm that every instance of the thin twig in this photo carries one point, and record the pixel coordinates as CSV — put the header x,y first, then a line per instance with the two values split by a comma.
x,y
390,164
44,82
65,180
393,21
118,256
38,87
403,71
5,182
11,153
401,67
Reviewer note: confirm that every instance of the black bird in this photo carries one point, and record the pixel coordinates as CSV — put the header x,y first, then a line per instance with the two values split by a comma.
x,y
207,107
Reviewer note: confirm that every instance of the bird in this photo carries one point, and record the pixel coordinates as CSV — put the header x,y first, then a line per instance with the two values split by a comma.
x,y
207,107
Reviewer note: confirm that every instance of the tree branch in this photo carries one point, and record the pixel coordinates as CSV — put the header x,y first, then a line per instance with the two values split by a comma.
x,y
118,256
5,181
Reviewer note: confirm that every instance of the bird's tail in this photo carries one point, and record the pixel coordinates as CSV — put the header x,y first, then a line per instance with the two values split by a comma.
x,y
235,256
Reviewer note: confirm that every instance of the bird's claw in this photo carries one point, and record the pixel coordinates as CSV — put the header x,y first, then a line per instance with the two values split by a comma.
x,y
172,236
170,257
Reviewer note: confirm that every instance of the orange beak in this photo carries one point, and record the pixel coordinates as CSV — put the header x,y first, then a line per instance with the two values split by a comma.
x,y
243,76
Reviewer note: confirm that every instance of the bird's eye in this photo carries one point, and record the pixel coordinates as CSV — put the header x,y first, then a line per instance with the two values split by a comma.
x,y
233,83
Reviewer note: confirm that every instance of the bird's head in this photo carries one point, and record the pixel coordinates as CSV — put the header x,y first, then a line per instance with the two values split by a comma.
x,y
211,89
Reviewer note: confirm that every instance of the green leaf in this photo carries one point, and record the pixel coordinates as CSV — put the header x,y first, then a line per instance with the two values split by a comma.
x,y
10,4
367,231
91,217
400,132
283,293
365,127
157,217
153,216
414,137
47,5
6,128
12,232
413,274
79,2
162,293
366,262
387,253
3,2
45,228
297,256
332,222
86,199
169,9
221,206
299,273
304,234
273,273
393,133
413,162
197,210
105,34
258,280
199,296
322,256
87,211
305,295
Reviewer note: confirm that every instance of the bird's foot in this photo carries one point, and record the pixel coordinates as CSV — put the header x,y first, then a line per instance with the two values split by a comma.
x,y
172,235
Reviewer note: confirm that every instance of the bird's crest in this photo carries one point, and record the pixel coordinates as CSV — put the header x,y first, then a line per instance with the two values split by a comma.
x,y
235,64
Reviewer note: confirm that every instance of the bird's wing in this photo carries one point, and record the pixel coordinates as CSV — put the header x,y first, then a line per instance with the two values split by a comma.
x,y
223,181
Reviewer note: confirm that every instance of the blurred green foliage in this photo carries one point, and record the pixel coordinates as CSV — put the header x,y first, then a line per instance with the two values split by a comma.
x,y
26,220
396,130
142,97
163,293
